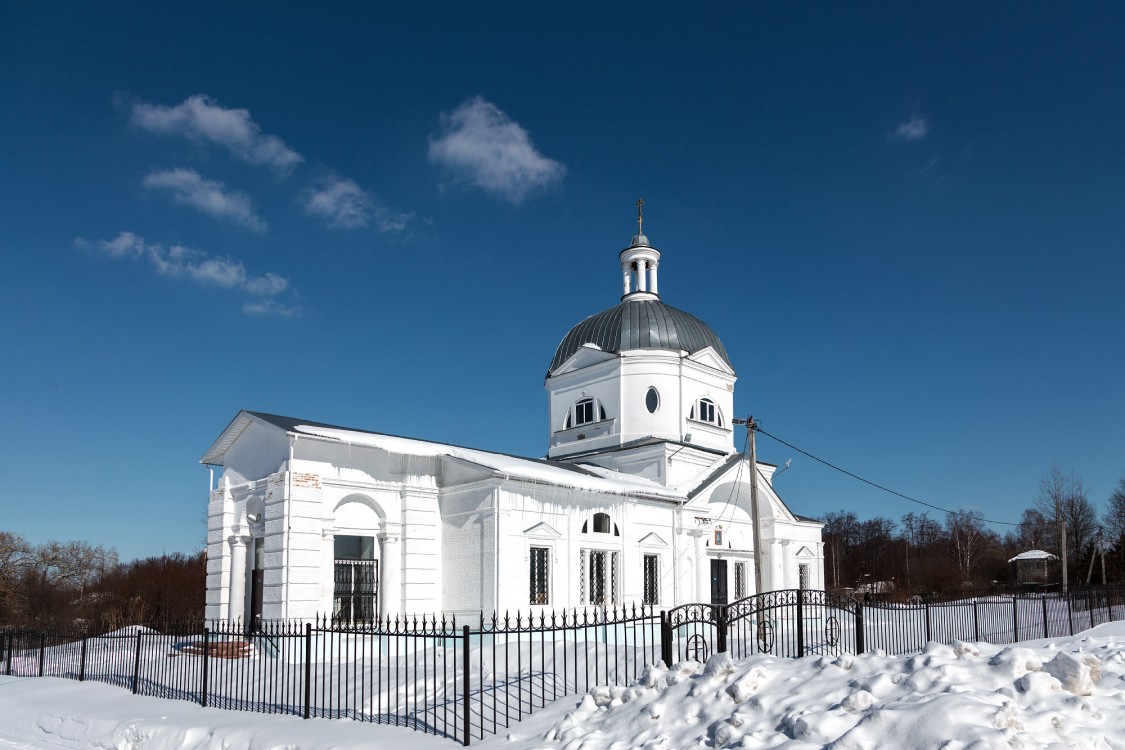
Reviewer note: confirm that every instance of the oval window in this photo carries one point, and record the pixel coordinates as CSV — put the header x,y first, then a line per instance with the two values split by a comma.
x,y
652,400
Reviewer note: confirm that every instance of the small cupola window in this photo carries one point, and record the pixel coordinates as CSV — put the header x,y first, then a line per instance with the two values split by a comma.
x,y
705,410
652,400
586,411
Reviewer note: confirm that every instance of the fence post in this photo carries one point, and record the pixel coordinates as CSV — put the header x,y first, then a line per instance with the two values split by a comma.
x,y
465,685
1046,630
206,666
137,663
720,629
42,652
8,653
976,619
926,606
800,623
859,639
308,669
81,659
665,639
1070,611
1015,620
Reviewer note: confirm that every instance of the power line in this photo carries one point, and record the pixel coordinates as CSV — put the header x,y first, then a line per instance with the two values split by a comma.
x,y
879,486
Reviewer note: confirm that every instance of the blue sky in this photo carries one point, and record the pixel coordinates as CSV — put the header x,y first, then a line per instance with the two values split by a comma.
x,y
905,222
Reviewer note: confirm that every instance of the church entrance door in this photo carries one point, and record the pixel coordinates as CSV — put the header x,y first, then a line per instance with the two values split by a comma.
x,y
719,582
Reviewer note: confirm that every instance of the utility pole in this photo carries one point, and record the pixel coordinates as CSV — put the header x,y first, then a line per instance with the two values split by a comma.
x,y
1099,547
755,514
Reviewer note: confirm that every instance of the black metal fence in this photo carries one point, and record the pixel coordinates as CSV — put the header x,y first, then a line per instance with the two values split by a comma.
x,y
468,680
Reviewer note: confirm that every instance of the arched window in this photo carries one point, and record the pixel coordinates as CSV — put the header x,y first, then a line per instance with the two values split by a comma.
x,y
705,411
603,524
584,412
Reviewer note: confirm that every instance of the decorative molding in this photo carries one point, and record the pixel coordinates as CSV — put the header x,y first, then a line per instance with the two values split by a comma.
x,y
544,530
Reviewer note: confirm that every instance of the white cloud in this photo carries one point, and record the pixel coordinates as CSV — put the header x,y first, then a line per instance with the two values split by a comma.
x,y
209,196
271,308
340,201
484,147
180,262
344,204
200,118
914,129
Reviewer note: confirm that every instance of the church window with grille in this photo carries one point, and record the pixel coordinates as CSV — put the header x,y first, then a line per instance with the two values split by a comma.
x,y
739,580
598,577
651,593
540,575
356,579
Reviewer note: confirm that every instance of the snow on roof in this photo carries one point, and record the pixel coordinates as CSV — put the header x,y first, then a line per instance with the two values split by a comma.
x,y
593,479
1034,554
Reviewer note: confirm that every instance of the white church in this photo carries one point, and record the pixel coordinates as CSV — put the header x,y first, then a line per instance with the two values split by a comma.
x,y
641,498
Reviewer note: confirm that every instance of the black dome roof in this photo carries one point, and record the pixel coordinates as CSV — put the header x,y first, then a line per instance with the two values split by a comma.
x,y
640,324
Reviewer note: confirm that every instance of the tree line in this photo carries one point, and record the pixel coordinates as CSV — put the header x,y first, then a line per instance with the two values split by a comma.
x,y
919,553
76,584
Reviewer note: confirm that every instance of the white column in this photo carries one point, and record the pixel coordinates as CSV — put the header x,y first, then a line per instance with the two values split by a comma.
x,y
789,565
390,575
328,571
627,280
655,289
642,275
702,568
237,608
777,577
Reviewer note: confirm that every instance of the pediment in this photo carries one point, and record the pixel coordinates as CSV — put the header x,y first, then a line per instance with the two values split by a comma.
x,y
542,530
708,357
586,356
652,539
804,552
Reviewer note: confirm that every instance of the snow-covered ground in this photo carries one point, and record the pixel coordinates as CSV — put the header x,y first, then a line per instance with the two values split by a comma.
x,y
1066,692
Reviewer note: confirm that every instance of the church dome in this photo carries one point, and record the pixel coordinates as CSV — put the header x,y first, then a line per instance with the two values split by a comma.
x,y
640,324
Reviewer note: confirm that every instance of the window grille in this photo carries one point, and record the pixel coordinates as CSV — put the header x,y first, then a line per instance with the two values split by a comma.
x,y
540,578
356,594
739,580
651,592
803,573
613,578
599,578
582,577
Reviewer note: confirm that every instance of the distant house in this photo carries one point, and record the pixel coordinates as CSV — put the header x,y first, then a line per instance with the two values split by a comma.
x,y
1034,567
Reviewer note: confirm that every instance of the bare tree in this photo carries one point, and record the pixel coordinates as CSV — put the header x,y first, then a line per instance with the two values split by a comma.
x,y
840,529
1055,489
1115,514
1115,528
13,556
1035,531
969,537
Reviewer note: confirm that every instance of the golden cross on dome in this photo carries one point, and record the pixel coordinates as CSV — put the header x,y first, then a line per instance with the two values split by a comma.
x,y
640,216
